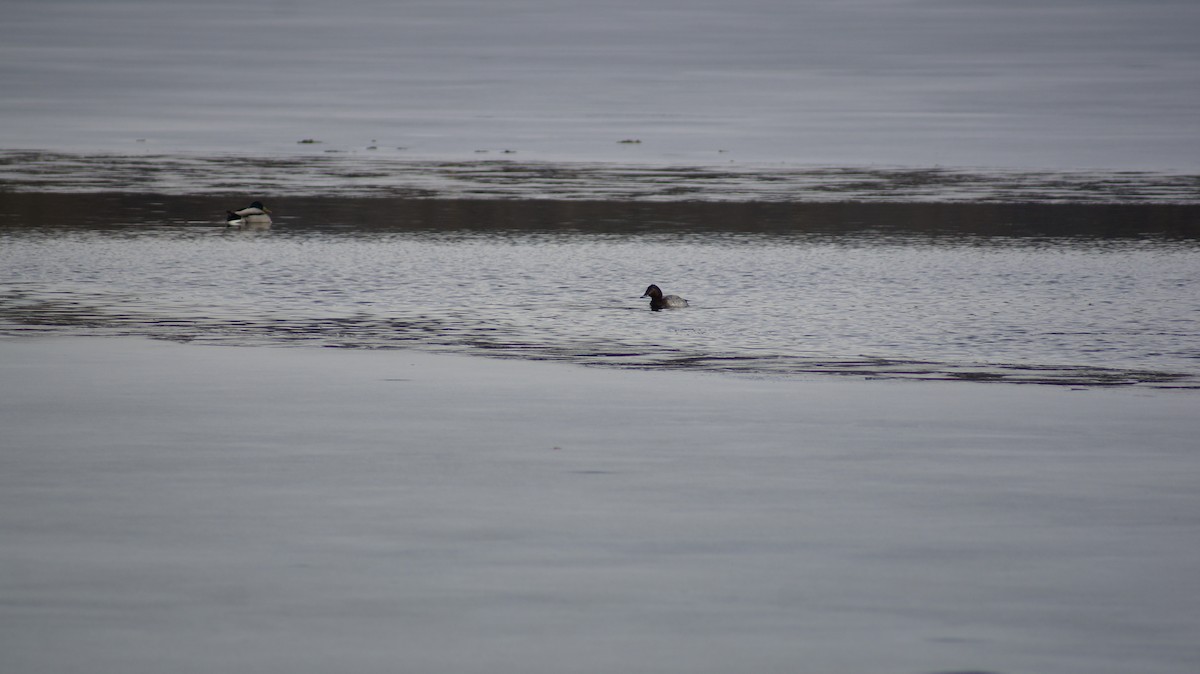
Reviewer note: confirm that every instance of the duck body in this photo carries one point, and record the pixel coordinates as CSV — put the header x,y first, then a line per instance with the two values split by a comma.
x,y
254,214
658,301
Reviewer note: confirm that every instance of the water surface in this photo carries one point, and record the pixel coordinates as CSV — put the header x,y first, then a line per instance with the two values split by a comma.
x,y
1080,295
1061,85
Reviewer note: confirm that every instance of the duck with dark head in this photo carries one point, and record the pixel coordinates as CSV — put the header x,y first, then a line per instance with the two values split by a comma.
x,y
254,214
658,301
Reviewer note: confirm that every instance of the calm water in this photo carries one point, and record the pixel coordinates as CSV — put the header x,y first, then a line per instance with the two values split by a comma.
x,y
1060,85
911,291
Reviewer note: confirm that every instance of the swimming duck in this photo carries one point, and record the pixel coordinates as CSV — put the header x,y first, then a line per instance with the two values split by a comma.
x,y
658,301
254,214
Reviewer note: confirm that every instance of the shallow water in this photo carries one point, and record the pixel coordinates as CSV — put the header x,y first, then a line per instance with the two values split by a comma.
x,y
917,291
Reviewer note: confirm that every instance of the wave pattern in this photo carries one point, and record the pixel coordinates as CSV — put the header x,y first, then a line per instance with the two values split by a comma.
x,y
349,174
792,298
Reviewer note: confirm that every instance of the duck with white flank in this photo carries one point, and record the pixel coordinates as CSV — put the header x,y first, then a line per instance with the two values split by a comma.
x,y
254,214
658,301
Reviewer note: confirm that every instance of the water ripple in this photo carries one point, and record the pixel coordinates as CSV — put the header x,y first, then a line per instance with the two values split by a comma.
x,y
350,175
1079,295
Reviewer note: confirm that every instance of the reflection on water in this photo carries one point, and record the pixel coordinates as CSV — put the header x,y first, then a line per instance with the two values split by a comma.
x,y
1052,294
940,222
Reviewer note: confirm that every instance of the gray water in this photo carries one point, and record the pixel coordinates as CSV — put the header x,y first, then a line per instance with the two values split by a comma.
x,y
980,190
926,292
127,128
375,175
1060,84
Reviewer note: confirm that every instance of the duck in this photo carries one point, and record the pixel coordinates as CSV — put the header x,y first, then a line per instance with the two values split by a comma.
x,y
254,214
659,301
